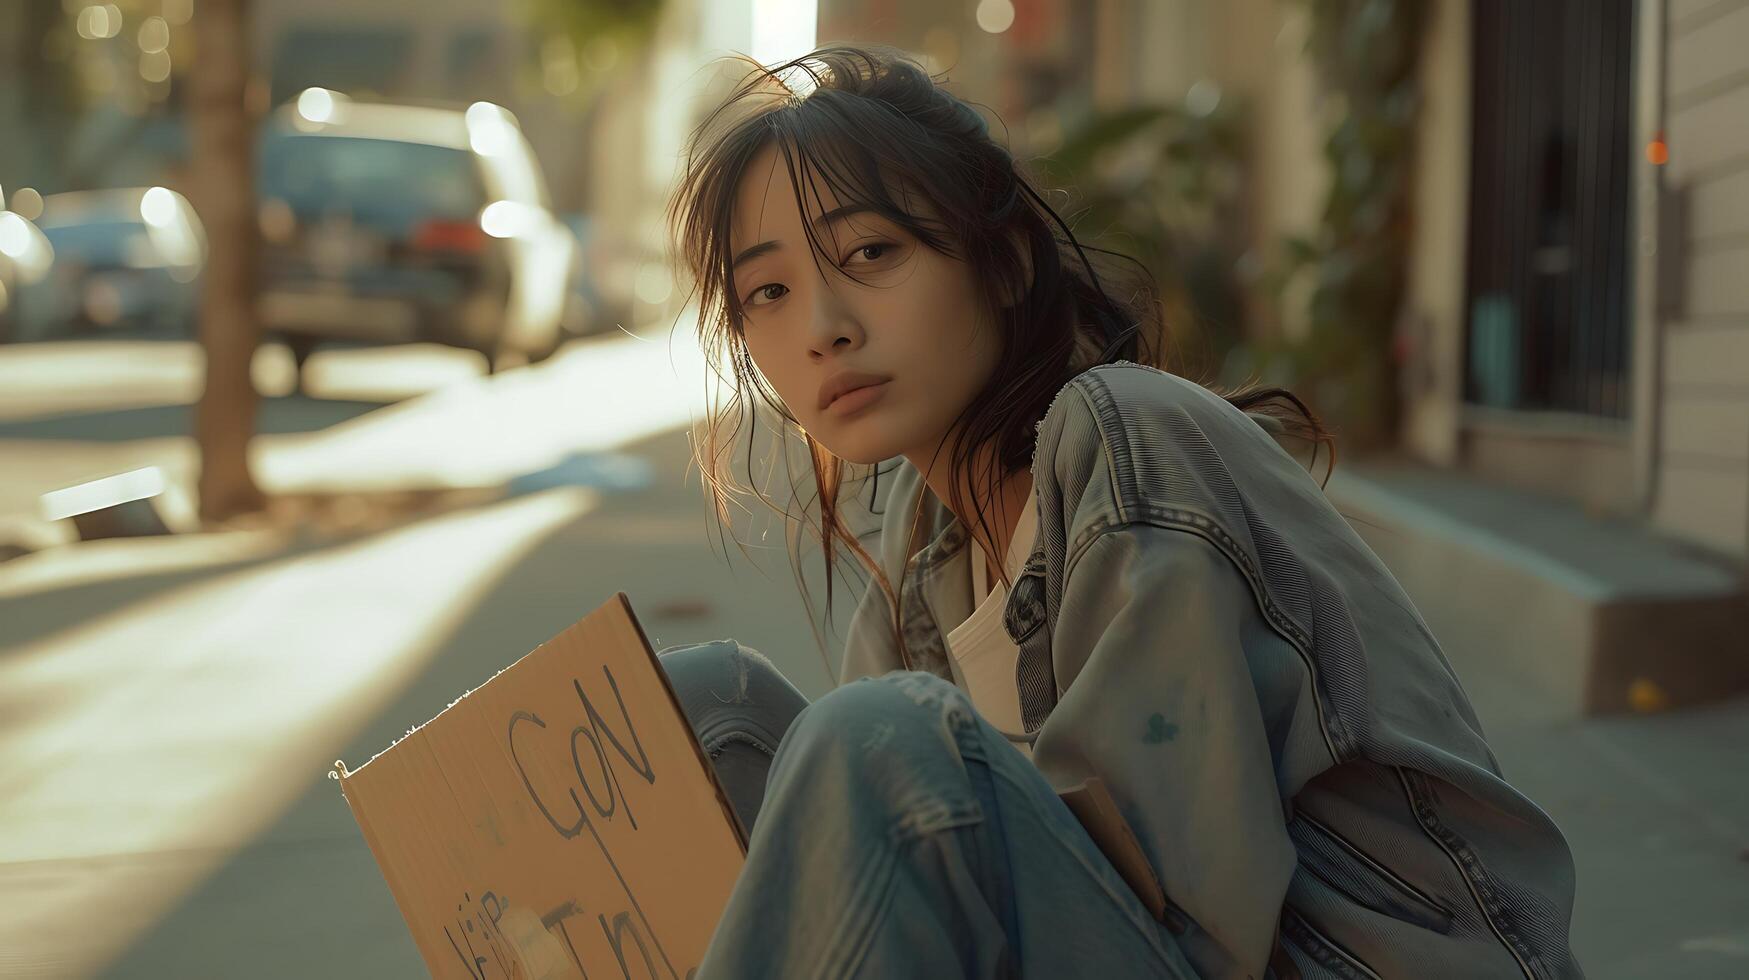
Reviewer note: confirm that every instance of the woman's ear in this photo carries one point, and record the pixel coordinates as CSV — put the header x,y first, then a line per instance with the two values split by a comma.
x,y
1010,295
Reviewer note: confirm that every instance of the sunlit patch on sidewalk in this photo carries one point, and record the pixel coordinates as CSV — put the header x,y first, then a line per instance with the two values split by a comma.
x,y
189,723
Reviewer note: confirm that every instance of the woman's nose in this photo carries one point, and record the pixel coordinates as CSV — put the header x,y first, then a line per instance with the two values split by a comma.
x,y
833,325
819,349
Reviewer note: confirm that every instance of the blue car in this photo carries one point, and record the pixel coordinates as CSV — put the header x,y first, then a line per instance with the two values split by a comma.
x,y
125,260
393,224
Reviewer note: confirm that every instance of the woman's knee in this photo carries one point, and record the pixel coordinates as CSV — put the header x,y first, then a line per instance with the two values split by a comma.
x,y
720,656
711,655
891,745
873,703
740,706
724,685
734,672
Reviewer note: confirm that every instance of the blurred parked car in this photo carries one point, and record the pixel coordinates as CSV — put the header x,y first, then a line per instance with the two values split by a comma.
x,y
124,259
25,259
397,223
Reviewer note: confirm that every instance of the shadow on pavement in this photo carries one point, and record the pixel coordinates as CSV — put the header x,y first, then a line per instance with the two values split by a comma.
x,y
305,897
37,615
278,416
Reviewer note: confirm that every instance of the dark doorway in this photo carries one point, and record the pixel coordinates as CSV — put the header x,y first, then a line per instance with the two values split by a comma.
x,y
1548,290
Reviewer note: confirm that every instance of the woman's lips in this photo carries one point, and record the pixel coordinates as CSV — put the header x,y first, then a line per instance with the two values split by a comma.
x,y
857,398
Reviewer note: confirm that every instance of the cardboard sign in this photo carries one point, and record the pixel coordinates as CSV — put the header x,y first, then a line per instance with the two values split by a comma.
x,y
559,821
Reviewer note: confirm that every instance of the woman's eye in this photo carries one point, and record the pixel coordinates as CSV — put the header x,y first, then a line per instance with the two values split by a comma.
x,y
881,248
763,291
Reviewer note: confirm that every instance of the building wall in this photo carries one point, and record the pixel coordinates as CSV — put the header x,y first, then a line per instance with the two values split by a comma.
x,y
1258,55
1249,52
1048,51
434,29
16,156
1434,302
1165,47
1701,487
1690,474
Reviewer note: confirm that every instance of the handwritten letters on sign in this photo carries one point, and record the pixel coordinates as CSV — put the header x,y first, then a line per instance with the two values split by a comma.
x,y
559,821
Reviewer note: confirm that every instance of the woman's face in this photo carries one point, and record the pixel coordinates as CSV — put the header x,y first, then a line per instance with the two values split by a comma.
x,y
915,319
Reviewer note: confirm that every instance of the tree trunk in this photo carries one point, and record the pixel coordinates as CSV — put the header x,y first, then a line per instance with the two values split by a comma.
x,y
45,94
223,173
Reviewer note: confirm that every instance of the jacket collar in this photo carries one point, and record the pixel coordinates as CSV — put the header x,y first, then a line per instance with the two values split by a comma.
x,y
935,562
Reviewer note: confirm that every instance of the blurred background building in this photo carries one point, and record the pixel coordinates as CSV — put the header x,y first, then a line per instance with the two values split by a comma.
x,y
1571,321
1568,311
1502,246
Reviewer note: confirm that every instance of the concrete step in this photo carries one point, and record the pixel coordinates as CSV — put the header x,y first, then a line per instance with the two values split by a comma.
x,y
1598,615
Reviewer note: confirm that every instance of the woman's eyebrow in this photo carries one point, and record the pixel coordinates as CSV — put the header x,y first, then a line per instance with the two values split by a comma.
x,y
820,223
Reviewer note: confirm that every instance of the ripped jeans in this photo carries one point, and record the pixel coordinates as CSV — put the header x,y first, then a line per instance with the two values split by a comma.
x,y
895,833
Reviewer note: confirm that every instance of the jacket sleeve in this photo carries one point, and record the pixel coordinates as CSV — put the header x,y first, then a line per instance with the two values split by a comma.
x,y
1160,654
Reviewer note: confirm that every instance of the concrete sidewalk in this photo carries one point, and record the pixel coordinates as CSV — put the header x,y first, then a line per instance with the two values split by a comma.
x,y
1558,622
1656,809
169,709
238,857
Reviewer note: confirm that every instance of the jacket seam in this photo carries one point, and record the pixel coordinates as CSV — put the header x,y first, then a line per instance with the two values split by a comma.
x,y
1189,522
1470,869
1115,441
1299,929
1373,864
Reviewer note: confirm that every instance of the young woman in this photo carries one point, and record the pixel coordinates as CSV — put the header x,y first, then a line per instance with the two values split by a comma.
x,y
1089,569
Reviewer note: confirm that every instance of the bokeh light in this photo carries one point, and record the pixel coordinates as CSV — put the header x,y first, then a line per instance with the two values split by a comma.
x,y
14,235
158,207
316,104
941,48
154,35
28,203
1203,98
99,22
491,129
559,66
600,54
509,219
654,284
995,16
155,66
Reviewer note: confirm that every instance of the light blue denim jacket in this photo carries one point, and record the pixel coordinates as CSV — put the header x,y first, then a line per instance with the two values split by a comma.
x,y
1201,630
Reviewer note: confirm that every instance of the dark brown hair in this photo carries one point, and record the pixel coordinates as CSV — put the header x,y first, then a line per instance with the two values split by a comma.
x,y
878,130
